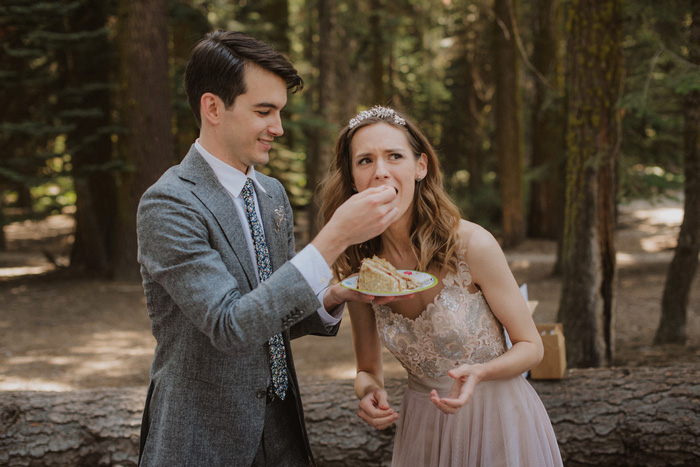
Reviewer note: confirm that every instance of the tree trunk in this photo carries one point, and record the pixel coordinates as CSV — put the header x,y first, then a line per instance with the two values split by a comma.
x,y
267,20
188,23
508,132
94,186
681,271
621,417
626,417
463,134
378,50
274,13
548,124
323,138
25,202
78,428
588,254
3,237
147,145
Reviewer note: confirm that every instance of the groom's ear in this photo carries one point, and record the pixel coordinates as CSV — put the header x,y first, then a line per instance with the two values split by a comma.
x,y
210,108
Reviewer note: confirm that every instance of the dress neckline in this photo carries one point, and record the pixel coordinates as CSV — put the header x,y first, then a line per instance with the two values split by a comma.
x,y
461,277
428,309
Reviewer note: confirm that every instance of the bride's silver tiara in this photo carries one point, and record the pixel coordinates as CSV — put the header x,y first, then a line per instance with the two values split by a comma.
x,y
385,113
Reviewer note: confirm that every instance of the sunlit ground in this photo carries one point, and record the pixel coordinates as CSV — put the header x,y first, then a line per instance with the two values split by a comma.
x,y
96,360
59,336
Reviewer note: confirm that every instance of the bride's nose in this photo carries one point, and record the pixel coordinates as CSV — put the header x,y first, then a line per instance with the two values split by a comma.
x,y
381,171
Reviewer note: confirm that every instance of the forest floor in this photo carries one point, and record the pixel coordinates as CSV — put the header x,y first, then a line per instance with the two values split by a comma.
x,y
60,334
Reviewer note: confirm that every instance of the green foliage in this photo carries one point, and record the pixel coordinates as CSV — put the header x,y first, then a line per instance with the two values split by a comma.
x,y
436,62
53,197
42,102
658,76
482,206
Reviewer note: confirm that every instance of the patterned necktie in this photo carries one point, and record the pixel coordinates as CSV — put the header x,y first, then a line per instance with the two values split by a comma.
x,y
278,355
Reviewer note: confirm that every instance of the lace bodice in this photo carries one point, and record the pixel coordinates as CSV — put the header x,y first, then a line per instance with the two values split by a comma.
x,y
457,328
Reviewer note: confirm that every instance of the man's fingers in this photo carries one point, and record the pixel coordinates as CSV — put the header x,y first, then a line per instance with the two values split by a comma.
x,y
385,300
366,214
355,296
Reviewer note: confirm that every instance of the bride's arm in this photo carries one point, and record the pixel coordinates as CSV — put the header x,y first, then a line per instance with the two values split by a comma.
x,y
369,382
491,273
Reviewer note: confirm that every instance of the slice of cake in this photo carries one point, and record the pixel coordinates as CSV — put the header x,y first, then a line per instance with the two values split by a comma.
x,y
379,275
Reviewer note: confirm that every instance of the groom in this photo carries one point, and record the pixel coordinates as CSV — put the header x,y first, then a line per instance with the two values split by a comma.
x,y
224,289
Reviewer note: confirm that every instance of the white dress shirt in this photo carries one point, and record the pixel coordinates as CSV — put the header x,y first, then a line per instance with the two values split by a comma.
x,y
308,261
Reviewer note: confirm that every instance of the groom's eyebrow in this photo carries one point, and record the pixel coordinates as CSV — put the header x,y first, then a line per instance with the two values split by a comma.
x,y
268,105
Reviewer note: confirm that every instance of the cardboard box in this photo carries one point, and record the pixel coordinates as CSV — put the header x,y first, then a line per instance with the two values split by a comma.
x,y
553,364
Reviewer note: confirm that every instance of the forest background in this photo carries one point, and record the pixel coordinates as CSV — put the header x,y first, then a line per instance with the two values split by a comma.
x,y
547,115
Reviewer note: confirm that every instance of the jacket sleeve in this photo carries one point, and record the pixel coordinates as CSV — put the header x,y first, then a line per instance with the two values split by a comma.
x,y
179,253
312,324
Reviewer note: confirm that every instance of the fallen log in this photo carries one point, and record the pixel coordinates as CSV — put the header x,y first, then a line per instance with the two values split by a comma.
x,y
76,428
618,416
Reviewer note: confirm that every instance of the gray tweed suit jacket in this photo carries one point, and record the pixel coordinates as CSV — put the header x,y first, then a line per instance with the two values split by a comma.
x,y
206,402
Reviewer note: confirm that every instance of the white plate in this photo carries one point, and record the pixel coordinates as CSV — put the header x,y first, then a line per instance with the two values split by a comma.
x,y
426,281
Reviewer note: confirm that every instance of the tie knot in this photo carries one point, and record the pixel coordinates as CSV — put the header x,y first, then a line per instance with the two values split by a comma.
x,y
248,188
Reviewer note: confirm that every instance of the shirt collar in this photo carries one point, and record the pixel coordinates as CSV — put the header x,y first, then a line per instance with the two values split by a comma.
x,y
231,178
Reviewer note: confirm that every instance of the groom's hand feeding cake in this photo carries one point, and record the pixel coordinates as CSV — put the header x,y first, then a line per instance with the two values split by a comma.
x,y
379,275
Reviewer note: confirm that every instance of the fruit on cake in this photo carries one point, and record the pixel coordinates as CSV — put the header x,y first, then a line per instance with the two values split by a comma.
x,y
379,275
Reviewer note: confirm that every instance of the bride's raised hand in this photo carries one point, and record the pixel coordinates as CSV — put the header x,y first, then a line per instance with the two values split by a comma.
x,y
375,410
466,378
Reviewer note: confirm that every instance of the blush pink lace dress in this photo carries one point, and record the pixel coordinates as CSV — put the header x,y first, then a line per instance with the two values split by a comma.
x,y
504,424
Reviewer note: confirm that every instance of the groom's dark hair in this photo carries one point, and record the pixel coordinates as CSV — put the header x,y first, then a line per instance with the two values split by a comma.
x,y
218,62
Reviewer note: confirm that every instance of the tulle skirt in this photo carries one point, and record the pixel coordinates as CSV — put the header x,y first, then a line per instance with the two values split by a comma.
x,y
505,424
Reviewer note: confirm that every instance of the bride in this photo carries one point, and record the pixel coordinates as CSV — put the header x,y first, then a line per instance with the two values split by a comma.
x,y
466,403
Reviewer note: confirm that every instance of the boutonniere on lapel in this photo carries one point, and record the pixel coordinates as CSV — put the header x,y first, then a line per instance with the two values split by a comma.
x,y
280,217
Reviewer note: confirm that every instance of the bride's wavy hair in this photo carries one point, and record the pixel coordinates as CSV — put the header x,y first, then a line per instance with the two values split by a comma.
x,y
434,218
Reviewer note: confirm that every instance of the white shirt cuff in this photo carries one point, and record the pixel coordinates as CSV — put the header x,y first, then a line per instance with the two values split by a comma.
x,y
332,317
318,275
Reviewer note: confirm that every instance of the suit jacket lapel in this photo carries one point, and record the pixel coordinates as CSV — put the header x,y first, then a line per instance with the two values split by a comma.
x,y
276,240
215,197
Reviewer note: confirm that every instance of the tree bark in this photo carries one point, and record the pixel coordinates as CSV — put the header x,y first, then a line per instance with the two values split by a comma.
x,y
463,122
321,151
606,417
95,186
626,417
3,237
508,131
187,24
147,145
548,124
378,50
684,265
594,80
267,20
77,428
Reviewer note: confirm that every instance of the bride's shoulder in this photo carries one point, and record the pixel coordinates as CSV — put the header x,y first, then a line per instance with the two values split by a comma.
x,y
474,239
470,233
